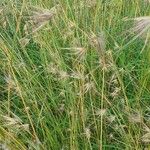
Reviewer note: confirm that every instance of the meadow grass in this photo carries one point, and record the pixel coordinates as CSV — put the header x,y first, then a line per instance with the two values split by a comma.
x,y
74,75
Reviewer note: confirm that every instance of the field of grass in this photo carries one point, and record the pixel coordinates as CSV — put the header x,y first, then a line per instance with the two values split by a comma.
x,y
74,74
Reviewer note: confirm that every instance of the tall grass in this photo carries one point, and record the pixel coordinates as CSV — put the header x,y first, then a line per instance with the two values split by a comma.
x,y
74,75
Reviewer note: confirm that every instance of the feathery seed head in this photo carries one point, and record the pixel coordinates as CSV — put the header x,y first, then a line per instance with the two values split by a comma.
x,y
100,112
141,26
135,117
39,18
146,138
87,133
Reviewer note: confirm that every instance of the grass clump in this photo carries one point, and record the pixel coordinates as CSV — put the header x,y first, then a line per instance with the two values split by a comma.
x,y
74,75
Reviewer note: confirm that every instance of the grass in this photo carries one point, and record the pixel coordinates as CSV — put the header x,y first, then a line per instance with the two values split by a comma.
x,y
74,75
